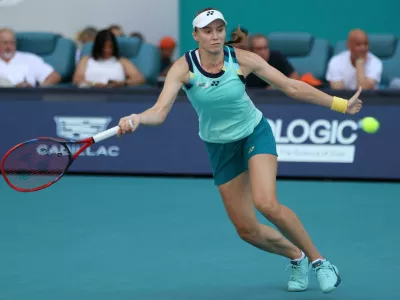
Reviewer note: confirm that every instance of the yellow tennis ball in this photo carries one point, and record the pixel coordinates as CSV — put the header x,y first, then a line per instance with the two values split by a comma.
x,y
370,124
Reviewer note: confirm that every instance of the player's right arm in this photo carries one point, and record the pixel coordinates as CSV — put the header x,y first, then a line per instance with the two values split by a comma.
x,y
156,115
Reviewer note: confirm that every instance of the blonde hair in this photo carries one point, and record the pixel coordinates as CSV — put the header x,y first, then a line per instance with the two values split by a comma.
x,y
238,37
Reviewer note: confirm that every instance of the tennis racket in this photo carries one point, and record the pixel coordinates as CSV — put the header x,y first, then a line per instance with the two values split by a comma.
x,y
38,163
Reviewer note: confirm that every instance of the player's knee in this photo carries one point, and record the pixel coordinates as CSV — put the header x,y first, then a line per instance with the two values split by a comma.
x,y
247,233
268,206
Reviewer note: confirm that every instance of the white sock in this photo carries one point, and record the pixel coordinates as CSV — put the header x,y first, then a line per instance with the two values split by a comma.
x,y
301,258
319,259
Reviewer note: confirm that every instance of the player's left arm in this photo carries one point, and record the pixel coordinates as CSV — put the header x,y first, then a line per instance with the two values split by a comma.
x,y
296,89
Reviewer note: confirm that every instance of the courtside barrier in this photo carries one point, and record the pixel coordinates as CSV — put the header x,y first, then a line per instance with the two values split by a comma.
x,y
312,141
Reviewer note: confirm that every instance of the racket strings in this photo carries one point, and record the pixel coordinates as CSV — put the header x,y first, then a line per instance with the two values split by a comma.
x,y
35,164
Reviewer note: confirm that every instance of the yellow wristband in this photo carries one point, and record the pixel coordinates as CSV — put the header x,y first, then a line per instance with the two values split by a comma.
x,y
339,104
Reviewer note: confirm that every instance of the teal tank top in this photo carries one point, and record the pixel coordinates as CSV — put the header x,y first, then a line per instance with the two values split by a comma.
x,y
225,111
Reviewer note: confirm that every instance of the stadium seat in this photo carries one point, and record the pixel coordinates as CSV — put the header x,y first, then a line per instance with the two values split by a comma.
x,y
146,57
148,62
305,52
387,48
56,50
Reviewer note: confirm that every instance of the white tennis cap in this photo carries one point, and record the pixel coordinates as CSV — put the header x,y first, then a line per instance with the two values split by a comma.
x,y
207,17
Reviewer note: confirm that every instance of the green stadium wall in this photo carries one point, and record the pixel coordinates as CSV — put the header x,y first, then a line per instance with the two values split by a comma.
x,y
331,20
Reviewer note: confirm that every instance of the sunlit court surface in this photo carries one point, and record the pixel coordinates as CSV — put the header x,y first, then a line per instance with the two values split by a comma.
x,y
89,237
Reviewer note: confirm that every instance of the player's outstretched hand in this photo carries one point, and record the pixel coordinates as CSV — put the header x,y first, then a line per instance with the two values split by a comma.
x,y
355,104
128,124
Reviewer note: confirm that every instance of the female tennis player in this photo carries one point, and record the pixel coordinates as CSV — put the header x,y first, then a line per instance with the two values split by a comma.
x,y
240,143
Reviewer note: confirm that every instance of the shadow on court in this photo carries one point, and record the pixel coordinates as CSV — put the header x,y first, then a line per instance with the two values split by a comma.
x,y
154,238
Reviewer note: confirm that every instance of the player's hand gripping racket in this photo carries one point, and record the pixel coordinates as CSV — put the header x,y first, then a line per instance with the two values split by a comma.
x,y
38,163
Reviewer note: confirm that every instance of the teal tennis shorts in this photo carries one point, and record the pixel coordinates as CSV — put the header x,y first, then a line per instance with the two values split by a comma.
x,y
231,159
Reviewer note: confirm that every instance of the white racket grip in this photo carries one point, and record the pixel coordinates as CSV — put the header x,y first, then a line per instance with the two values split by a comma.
x,y
106,134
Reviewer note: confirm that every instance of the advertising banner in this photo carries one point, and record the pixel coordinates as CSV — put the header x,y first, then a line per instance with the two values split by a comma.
x,y
312,141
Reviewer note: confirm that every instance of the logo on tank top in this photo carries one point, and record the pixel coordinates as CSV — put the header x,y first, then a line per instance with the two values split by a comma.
x,y
205,85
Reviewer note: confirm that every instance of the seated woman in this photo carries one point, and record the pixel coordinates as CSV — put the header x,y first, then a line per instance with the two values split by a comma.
x,y
105,67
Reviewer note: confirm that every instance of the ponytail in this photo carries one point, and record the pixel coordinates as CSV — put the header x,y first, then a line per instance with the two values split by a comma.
x,y
237,36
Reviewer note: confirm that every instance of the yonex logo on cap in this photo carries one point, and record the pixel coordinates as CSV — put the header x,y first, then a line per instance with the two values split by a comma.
x,y
207,17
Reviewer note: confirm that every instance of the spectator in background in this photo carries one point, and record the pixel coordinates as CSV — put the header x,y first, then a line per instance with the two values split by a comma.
x,y
356,66
85,36
167,47
116,30
105,67
22,69
259,44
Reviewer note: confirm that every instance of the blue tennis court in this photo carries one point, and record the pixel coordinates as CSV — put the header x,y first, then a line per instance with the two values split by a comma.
x,y
167,238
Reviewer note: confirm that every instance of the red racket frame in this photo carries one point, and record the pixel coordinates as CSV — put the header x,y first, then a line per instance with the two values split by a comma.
x,y
87,143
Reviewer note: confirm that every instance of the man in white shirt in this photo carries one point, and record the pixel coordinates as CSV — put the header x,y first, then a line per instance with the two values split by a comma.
x,y
356,66
22,69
